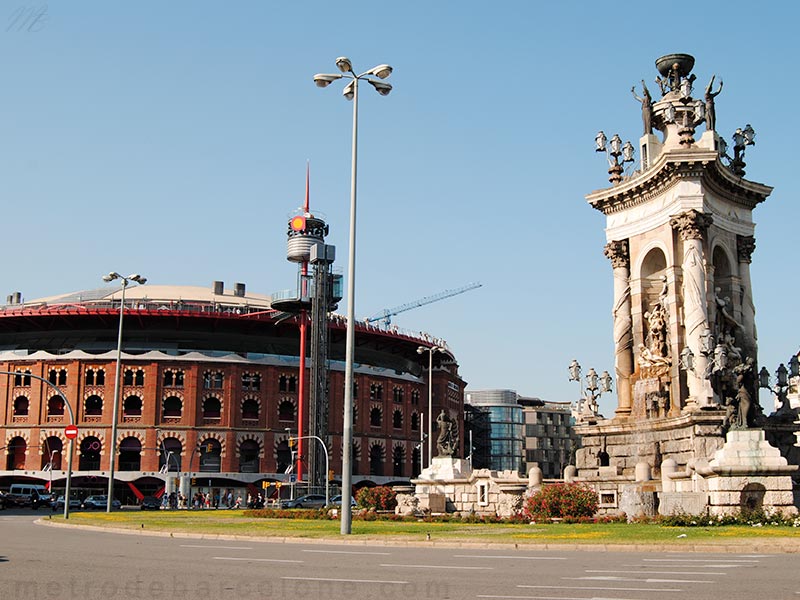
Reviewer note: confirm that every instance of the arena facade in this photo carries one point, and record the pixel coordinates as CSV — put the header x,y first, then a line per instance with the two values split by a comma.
x,y
208,392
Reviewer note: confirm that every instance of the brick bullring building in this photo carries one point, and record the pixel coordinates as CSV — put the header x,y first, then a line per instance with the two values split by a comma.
x,y
208,391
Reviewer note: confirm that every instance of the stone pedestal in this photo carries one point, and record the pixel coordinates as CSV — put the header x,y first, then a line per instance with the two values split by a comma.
x,y
750,475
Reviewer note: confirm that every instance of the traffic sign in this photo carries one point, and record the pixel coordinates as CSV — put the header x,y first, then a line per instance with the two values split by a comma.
x,y
71,431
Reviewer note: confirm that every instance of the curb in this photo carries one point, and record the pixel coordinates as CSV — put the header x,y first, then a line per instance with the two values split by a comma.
x,y
761,547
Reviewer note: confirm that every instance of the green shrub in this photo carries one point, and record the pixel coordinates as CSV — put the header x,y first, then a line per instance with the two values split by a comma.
x,y
377,498
560,501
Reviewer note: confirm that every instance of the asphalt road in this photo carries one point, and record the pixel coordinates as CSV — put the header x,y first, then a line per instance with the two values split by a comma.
x,y
44,562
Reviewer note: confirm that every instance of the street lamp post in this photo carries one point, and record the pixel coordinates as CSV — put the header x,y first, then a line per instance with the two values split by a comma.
x,y
50,468
351,93
430,351
115,410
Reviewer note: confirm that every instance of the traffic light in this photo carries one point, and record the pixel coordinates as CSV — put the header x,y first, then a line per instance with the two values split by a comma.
x,y
194,480
209,448
278,484
291,442
330,475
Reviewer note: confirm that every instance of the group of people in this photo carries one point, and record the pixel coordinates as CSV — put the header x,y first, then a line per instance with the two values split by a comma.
x,y
202,500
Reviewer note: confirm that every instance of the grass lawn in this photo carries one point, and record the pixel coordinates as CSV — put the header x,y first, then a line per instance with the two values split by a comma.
x,y
236,523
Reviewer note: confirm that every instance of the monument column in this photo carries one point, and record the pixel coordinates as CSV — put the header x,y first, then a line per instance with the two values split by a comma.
x,y
617,253
745,245
692,226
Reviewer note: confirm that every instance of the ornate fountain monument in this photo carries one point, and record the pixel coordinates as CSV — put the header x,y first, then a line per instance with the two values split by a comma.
x,y
680,240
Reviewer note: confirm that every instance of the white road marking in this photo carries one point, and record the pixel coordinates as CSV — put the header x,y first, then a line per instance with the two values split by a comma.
x,y
345,580
438,567
347,552
615,589
279,560
628,571
551,598
510,556
216,547
711,560
645,580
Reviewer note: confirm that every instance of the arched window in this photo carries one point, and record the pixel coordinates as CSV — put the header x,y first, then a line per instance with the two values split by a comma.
x,y
414,422
22,378
210,456
283,383
376,392
89,460
415,397
251,381
53,447
376,460
415,458
397,420
286,411
397,394
375,417
16,450
212,408
173,378
21,405
213,380
250,409
55,406
93,407
57,376
133,377
283,456
132,407
170,455
398,461
173,407
248,457
130,454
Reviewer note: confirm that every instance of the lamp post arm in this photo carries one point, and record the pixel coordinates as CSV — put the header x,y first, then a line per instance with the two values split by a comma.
x,y
71,441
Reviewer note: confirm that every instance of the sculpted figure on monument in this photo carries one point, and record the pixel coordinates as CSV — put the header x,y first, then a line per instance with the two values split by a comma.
x,y
647,108
711,112
447,442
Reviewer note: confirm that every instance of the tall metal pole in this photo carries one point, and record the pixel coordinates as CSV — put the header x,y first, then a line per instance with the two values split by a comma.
x,y
430,406
347,433
115,410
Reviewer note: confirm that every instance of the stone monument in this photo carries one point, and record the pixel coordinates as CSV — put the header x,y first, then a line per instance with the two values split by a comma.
x,y
680,238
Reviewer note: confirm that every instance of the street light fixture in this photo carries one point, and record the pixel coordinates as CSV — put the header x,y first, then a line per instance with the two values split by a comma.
x,y
596,386
781,389
351,93
115,410
430,351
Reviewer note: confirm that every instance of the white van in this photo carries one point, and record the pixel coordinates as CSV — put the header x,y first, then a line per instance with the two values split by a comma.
x,y
22,492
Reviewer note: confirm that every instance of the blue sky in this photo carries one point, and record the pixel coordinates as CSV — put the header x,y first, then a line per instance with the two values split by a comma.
x,y
171,139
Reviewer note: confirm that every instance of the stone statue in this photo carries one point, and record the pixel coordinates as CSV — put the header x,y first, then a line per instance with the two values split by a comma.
x,y
711,113
447,442
647,108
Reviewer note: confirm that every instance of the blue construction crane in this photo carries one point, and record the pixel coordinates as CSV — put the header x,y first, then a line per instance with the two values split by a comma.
x,y
387,313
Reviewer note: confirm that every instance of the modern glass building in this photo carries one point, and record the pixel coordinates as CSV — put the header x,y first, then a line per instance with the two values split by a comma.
x,y
494,422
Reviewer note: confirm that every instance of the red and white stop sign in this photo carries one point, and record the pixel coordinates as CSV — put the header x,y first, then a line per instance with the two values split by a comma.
x,y
71,431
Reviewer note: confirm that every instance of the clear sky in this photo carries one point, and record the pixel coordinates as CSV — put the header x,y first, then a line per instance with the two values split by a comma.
x,y
171,139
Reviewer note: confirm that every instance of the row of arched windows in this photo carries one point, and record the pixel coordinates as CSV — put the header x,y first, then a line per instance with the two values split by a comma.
x,y
209,455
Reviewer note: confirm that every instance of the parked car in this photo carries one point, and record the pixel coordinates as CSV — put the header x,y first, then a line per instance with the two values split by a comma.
x,y
337,501
308,501
24,494
100,502
58,503
150,503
